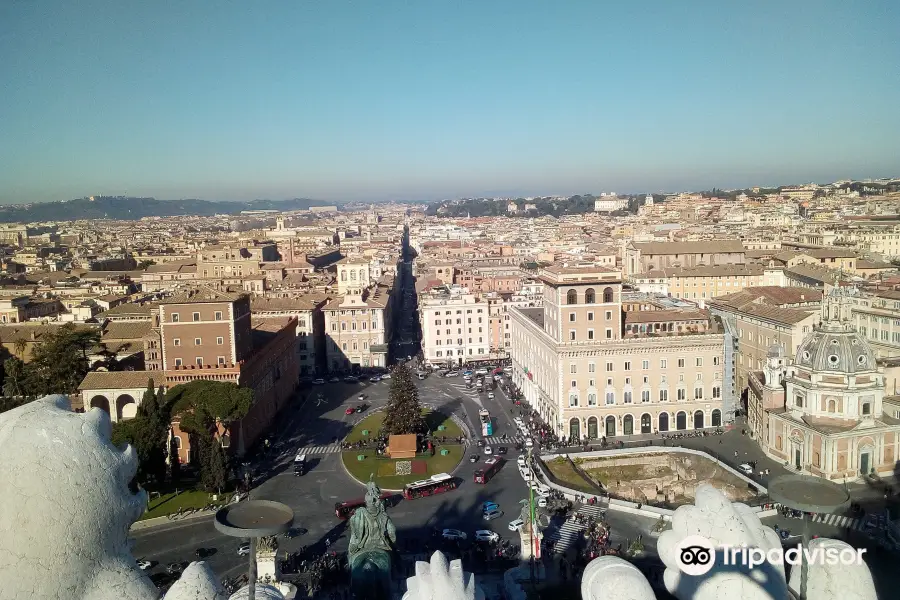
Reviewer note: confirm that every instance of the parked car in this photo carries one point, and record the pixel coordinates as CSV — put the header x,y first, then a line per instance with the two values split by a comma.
x,y
474,458
350,379
375,378
746,468
362,407
516,525
486,535
490,515
386,376
521,460
542,502
453,534
244,549
452,374
350,410
318,381
489,506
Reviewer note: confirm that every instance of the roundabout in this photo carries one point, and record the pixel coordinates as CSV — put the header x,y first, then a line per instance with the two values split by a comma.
x,y
366,457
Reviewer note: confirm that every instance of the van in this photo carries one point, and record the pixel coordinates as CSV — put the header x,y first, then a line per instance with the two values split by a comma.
x,y
492,514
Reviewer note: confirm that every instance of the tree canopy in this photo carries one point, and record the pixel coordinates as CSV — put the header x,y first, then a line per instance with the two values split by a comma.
x,y
200,404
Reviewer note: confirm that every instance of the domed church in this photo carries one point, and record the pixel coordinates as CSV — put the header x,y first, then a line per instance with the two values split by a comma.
x,y
822,414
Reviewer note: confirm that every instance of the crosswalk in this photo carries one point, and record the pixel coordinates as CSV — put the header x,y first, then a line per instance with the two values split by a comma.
x,y
326,449
839,521
567,533
494,440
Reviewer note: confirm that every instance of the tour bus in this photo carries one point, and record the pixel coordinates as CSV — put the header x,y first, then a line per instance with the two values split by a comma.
x,y
344,510
437,484
487,424
491,466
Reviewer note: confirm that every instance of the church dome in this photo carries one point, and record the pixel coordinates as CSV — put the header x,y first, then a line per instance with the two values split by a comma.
x,y
836,351
834,345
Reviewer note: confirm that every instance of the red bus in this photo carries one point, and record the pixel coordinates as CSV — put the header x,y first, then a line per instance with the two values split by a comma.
x,y
491,466
344,510
437,484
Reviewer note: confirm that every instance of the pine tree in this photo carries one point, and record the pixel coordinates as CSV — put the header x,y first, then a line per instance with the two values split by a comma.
x,y
403,414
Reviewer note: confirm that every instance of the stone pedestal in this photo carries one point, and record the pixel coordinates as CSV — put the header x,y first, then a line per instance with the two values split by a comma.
x,y
267,565
531,546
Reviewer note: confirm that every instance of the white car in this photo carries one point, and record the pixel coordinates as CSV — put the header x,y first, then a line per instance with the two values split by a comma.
x,y
526,474
488,450
143,565
497,377
486,535
452,374
542,502
386,376
521,461
529,442
490,395
318,381
516,525
481,371
453,534
746,468
244,549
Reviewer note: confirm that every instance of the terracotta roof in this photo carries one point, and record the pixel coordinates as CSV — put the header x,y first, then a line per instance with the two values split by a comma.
x,y
171,267
653,316
305,302
874,264
128,309
203,294
32,333
752,269
117,380
771,294
125,330
705,247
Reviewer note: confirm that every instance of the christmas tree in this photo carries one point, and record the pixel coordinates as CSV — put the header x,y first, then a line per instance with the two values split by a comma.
x,y
403,413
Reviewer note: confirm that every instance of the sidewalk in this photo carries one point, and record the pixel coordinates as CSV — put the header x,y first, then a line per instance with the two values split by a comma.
x,y
175,523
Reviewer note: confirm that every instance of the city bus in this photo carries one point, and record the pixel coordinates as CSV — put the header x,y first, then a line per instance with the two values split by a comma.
x,y
487,424
437,484
491,466
344,510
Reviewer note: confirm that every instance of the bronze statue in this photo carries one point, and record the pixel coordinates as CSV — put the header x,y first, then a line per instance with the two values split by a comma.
x,y
372,535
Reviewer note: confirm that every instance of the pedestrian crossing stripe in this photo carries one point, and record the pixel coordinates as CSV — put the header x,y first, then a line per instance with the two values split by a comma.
x,y
568,532
327,449
839,521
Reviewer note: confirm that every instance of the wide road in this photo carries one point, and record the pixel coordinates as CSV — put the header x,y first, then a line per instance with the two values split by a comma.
x,y
311,426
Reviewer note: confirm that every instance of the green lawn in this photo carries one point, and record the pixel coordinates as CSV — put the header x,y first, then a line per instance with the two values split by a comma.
x,y
433,419
169,503
563,471
362,469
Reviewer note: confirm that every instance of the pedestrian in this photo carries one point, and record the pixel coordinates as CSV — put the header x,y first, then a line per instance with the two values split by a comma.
x,y
735,453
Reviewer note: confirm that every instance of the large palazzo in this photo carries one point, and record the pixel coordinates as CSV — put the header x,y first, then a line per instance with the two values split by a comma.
x,y
594,371
823,414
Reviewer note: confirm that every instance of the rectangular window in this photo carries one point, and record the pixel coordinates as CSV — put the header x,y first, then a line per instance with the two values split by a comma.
x,y
715,361
698,393
219,318
610,397
177,362
221,340
590,334
220,360
663,363
645,364
574,383
609,334
627,397
645,395
571,317
572,335
717,392
627,365
663,395
197,341
680,363
196,316
573,369
175,317
573,400
699,362
176,342
199,361
590,316
592,368
609,367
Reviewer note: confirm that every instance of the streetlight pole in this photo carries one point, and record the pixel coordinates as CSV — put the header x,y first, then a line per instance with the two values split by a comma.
x,y
531,518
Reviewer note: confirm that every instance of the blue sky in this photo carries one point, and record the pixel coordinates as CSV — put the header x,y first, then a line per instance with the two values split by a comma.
x,y
428,99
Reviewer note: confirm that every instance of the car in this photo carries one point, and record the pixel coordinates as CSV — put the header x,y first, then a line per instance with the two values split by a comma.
x,y
488,450
489,506
467,372
453,534
481,371
143,565
490,395
375,378
335,379
244,549
526,474
502,450
451,374
497,377
318,381
386,376
542,502
361,398
518,421
350,379
486,535
362,407
176,568
746,468
516,525
490,515
474,458
529,442
350,410
521,461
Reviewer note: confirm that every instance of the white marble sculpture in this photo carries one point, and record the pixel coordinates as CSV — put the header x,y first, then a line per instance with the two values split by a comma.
x,y
66,509
440,580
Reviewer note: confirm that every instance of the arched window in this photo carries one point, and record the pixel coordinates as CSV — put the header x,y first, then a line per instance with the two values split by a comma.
x,y
343,275
831,406
867,408
572,297
608,295
589,296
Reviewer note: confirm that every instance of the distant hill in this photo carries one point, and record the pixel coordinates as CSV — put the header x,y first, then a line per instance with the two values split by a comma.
x,y
132,209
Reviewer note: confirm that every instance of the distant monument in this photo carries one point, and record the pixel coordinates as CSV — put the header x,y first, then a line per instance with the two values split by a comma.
x,y
372,535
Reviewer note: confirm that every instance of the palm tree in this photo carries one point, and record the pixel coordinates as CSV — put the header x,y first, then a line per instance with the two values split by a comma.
x,y
20,346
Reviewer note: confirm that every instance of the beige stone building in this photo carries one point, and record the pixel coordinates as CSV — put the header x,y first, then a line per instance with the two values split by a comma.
x,y
577,369
640,257
826,417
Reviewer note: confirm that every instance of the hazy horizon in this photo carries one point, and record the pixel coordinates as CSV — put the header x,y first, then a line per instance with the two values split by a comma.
x,y
430,101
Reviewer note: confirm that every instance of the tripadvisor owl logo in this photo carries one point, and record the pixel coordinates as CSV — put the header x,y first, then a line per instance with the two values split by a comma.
x,y
696,555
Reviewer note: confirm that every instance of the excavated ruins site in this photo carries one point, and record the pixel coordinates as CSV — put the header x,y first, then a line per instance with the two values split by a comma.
x,y
670,477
